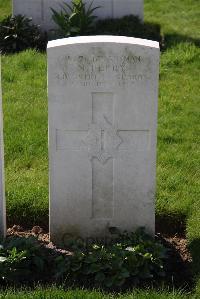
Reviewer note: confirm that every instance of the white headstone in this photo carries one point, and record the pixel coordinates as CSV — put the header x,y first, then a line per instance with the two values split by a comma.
x,y
2,189
40,12
103,93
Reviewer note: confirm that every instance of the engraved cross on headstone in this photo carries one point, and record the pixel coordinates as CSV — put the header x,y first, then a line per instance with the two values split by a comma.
x,y
102,141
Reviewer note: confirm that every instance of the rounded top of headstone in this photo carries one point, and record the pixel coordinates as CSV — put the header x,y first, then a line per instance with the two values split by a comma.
x,y
102,39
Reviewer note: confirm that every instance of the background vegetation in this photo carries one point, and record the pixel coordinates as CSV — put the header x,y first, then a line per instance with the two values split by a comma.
x,y
178,178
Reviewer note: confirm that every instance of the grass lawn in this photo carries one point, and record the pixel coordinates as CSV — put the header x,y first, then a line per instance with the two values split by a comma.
x,y
5,8
59,293
178,177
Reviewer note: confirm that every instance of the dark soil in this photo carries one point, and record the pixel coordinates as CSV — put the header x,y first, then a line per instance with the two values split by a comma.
x,y
177,266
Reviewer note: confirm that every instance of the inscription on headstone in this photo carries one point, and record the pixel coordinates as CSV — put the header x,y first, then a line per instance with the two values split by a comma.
x,y
102,134
2,191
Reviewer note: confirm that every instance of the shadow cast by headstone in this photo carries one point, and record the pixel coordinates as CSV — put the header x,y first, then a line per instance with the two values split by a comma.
x,y
174,225
129,26
172,39
171,224
176,264
27,219
194,247
133,27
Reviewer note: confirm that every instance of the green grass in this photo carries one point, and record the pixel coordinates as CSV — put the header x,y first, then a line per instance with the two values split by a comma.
x,y
179,19
178,177
59,293
178,130
5,8
25,134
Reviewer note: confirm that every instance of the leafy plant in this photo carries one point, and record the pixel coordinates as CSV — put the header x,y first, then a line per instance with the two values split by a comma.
x,y
128,259
17,34
74,19
134,258
23,259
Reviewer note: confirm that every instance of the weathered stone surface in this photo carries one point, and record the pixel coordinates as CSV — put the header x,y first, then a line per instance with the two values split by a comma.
x,y
40,12
2,189
102,134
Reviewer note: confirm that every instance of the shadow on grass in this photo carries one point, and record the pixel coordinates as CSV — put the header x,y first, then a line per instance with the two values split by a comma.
x,y
172,39
133,27
171,230
174,224
178,261
194,248
128,26
27,217
171,224
166,224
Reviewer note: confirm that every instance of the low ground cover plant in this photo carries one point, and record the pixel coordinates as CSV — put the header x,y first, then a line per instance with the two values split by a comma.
x,y
23,260
129,259
18,33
